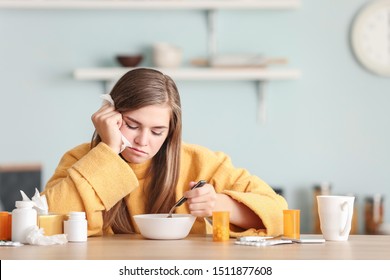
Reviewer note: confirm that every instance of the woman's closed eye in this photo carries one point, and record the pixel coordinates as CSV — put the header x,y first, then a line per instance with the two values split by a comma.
x,y
131,126
156,132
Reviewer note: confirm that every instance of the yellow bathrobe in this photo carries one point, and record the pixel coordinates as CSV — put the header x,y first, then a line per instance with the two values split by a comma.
x,y
95,180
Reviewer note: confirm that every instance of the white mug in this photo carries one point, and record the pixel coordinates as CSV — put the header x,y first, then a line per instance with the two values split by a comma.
x,y
335,213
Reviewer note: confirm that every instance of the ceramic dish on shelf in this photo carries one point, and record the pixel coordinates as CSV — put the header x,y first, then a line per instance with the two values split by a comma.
x,y
129,60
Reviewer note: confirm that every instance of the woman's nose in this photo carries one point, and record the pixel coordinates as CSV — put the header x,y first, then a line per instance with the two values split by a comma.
x,y
142,138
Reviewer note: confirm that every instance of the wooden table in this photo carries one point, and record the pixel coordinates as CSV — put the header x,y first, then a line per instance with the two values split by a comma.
x,y
197,247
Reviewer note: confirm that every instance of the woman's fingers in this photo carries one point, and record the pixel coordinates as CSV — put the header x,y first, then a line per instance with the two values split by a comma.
x,y
201,201
107,122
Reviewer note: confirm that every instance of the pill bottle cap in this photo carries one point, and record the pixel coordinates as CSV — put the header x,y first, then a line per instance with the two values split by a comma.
x,y
76,215
24,204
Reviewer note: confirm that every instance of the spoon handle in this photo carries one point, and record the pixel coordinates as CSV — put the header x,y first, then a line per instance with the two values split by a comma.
x,y
184,199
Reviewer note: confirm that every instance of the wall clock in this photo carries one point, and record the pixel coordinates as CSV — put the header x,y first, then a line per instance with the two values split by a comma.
x,y
370,37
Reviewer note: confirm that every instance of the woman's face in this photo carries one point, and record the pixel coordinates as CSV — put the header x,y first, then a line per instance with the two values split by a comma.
x,y
146,129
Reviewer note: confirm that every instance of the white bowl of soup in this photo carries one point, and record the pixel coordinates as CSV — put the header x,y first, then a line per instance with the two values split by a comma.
x,y
159,226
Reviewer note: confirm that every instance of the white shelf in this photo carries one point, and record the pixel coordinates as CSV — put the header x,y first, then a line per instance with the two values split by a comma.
x,y
259,75
238,74
151,4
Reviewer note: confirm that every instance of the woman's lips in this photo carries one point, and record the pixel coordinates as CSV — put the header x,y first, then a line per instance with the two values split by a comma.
x,y
138,151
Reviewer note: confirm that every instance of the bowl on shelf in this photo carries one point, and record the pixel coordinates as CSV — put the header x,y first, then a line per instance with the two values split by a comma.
x,y
129,60
159,226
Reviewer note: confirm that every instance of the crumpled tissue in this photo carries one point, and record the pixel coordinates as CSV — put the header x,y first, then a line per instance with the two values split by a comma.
x,y
108,99
40,202
36,237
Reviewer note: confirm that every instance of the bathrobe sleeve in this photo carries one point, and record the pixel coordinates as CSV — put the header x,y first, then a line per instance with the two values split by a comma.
x,y
90,180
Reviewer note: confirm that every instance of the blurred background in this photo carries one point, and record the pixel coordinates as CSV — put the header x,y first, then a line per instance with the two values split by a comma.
x,y
330,127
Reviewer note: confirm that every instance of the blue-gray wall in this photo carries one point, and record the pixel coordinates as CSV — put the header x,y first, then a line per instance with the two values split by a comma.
x,y
330,125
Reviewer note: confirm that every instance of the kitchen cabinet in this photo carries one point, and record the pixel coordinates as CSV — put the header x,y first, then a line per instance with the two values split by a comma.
x,y
109,75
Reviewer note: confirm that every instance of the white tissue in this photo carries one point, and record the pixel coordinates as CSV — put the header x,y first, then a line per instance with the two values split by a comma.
x,y
40,202
108,99
24,196
36,237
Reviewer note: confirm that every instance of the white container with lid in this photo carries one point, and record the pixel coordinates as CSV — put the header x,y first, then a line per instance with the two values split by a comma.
x,y
76,227
24,219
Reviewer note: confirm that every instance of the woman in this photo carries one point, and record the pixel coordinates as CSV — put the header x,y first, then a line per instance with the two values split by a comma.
x,y
112,184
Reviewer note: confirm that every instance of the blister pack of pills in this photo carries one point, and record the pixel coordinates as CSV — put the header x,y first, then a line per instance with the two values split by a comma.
x,y
10,243
260,241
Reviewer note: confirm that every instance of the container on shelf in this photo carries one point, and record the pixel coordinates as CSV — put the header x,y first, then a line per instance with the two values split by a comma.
x,y
373,213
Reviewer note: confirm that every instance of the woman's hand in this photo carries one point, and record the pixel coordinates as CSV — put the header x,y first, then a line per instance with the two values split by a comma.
x,y
107,122
201,201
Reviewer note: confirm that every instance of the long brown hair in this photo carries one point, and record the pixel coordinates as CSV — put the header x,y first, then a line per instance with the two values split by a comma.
x,y
136,89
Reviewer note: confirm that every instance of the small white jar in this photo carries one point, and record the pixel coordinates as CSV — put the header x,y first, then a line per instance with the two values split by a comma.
x,y
167,55
76,227
24,219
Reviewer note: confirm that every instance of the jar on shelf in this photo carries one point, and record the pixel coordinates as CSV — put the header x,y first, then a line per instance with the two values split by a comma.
x,y
373,213
323,188
355,216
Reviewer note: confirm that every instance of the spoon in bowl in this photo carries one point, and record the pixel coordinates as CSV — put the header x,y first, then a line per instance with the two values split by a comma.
x,y
184,199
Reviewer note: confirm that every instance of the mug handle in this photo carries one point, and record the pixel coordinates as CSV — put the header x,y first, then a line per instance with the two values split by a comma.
x,y
343,205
